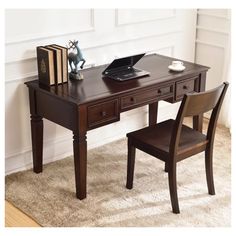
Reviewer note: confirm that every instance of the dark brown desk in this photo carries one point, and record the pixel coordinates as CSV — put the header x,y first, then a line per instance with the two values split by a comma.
x,y
95,101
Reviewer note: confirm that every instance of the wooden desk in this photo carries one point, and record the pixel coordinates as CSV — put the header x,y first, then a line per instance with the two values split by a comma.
x,y
95,101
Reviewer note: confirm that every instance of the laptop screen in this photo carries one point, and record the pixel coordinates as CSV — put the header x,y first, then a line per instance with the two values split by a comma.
x,y
124,62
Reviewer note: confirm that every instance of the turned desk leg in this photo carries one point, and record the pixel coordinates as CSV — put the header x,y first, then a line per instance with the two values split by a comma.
x,y
37,142
153,107
80,162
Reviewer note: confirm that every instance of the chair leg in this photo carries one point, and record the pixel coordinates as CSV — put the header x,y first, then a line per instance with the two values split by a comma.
x,y
173,188
166,167
130,165
209,171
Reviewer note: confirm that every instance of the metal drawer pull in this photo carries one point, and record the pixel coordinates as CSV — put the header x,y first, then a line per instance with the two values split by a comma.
x,y
103,113
132,99
185,87
159,91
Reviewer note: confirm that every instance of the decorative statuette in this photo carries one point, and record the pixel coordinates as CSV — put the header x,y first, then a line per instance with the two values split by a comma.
x,y
75,57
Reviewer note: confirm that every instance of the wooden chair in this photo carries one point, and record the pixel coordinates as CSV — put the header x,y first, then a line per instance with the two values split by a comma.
x,y
171,141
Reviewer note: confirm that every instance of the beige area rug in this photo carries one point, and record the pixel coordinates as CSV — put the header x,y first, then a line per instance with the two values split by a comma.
x,y
49,197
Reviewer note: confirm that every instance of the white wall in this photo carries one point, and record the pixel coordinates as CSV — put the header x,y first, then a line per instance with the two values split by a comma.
x,y
103,35
213,48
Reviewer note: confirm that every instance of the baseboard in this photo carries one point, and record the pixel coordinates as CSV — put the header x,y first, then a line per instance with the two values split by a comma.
x,y
62,146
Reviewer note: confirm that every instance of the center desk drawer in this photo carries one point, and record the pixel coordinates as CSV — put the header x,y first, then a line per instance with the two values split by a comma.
x,y
103,113
142,98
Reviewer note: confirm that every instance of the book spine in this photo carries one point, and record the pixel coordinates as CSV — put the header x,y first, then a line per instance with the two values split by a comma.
x,y
64,59
66,65
45,65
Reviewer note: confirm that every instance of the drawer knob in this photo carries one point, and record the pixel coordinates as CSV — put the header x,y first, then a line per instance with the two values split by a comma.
x,y
159,91
132,99
185,87
103,113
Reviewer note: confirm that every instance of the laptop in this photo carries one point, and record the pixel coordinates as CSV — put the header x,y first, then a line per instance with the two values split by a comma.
x,y
122,69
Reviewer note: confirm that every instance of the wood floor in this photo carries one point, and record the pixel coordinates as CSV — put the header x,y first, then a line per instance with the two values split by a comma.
x,y
16,218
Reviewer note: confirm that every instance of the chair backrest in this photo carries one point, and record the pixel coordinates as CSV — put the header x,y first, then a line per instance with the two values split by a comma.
x,y
196,104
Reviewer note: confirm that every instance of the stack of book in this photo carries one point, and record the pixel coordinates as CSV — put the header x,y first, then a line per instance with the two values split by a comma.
x,y
52,64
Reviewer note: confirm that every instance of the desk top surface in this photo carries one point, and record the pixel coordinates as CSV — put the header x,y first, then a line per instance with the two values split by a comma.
x,y
94,86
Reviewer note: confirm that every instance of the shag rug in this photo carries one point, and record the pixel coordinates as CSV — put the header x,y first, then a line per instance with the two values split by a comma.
x,y
49,197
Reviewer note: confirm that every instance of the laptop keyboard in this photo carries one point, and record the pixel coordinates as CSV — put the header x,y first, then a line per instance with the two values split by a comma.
x,y
126,73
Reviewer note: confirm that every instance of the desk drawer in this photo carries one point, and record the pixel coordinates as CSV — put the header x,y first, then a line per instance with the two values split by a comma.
x,y
142,98
103,113
187,86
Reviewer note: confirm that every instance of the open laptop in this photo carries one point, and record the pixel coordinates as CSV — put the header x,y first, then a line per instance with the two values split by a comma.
x,y
122,69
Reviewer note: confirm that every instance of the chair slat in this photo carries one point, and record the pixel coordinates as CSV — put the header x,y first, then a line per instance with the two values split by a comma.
x,y
202,102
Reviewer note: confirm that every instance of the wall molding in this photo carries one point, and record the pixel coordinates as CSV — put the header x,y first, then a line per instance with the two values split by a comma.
x,y
117,24
215,30
171,47
210,44
33,37
106,44
29,162
45,143
26,77
213,15
133,39
33,75
23,78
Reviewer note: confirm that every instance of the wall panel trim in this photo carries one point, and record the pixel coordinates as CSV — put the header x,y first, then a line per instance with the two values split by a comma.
x,y
45,143
28,38
213,15
32,76
210,44
215,30
117,24
107,44
24,78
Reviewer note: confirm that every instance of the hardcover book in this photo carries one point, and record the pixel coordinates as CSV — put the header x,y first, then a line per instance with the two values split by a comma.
x,y
64,51
57,54
46,70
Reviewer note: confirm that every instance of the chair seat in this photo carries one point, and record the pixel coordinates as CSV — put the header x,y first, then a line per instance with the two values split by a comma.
x,y
155,140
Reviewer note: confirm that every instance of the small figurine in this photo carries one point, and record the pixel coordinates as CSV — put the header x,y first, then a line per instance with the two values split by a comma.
x,y
75,58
